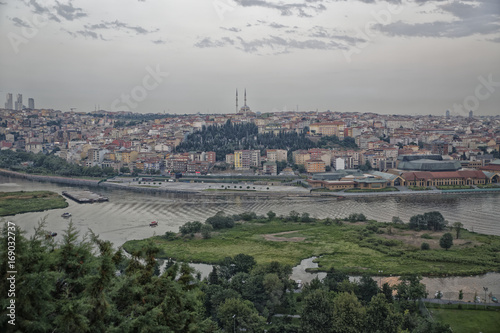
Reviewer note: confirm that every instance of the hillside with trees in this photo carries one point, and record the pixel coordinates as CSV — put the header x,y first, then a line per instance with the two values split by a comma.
x,y
48,164
230,137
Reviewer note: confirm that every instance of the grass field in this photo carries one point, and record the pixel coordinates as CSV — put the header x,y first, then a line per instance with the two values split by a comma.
x,y
466,321
12,203
354,248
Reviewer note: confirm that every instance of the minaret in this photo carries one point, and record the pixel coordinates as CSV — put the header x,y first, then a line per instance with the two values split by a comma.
x,y
245,96
236,100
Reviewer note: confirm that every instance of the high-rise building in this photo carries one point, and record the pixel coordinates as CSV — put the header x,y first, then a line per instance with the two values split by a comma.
x,y
19,102
471,114
447,113
8,104
31,103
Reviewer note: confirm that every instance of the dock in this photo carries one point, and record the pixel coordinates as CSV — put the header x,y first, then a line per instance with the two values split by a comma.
x,y
84,196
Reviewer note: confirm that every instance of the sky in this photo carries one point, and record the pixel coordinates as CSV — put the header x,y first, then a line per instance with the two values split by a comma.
x,y
189,56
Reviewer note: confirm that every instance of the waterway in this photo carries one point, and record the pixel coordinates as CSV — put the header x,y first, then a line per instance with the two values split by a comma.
x,y
127,216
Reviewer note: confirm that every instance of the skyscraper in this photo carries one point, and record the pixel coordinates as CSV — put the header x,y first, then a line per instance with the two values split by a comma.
x,y
447,113
31,103
8,104
471,114
19,102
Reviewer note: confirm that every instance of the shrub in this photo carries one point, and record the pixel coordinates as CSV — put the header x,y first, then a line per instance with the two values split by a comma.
x,y
426,236
425,246
220,221
248,216
206,231
190,227
169,235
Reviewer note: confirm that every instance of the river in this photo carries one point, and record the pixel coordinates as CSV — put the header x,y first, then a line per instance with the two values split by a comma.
x,y
127,215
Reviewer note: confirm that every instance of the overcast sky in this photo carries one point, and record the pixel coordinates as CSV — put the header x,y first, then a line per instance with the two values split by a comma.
x,y
189,56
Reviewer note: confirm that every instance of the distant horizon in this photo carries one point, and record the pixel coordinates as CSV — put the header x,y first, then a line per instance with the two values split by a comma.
x,y
267,112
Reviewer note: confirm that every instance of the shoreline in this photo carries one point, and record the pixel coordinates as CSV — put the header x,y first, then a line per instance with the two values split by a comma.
x,y
201,190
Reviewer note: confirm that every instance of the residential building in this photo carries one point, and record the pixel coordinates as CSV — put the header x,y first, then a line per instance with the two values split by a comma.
x,y
314,166
270,168
276,155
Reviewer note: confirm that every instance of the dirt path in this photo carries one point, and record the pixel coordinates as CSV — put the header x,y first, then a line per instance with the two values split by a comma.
x,y
276,238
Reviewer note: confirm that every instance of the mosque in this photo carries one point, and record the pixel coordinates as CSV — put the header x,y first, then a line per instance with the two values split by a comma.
x,y
245,109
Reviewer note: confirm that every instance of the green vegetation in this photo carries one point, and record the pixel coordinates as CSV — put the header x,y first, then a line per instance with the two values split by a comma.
x,y
73,286
428,221
354,248
12,203
385,189
49,164
487,186
465,321
419,188
453,187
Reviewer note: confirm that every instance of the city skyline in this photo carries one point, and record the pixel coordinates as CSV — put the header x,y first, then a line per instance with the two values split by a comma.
x,y
387,57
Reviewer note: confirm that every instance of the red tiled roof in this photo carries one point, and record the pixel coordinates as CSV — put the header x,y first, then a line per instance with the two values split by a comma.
x,y
443,175
491,167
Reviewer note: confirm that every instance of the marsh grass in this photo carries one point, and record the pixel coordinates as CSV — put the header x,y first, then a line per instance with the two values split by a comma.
x,y
354,248
12,203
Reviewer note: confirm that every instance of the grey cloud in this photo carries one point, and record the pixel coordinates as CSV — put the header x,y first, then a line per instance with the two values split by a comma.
x,y
282,45
495,40
118,26
68,11
320,32
302,8
277,25
87,33
39,9
84,33
159,41
233,29
20,23
276,44
470,18
209,43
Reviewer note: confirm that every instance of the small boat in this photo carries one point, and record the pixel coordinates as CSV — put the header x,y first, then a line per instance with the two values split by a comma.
x,y
153,224
66,215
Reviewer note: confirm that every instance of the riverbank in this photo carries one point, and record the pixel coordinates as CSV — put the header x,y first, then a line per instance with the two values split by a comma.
x,y
202,189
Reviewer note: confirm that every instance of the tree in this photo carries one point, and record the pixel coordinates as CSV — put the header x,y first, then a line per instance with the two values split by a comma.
x,y
425,246
271,215
206,231
418,222
410,289
458,226
243,263
348,314
435,221
381,316
317,313
397,220
239,314
367,289
333,279
220,221
446,241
